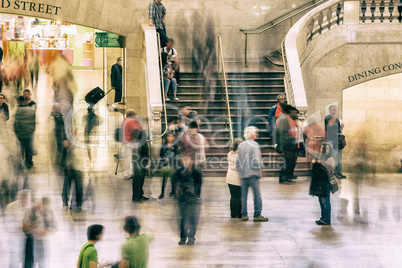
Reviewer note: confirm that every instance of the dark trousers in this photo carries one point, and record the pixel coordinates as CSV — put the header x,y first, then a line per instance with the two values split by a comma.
x,y
189,214
164,179
163,37
71,175
26,150
138,183
29,251
325,205
118,94
235,201
34,74
290,156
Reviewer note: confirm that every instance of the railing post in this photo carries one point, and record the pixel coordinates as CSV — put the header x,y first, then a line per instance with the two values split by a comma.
x,y
245,51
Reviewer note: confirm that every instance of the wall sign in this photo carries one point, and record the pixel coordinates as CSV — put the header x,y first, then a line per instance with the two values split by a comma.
x,y
375,71
30,6
108,40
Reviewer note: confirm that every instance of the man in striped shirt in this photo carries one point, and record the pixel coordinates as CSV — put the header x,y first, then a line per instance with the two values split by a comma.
x,y
156,15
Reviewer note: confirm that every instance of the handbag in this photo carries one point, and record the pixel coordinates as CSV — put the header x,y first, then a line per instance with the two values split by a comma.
x,y
333,184
341,141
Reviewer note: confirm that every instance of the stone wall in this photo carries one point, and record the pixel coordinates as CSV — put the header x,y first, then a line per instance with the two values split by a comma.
x,y
371,114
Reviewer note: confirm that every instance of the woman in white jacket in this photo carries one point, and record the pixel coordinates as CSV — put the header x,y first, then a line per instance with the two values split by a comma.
x,y
233,180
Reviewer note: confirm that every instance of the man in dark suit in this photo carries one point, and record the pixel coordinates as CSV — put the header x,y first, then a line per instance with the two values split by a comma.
x,y
116,79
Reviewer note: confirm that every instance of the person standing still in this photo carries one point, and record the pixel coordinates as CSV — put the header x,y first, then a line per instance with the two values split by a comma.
x,y
274,113
288,133
156,15
116,78
249,165
333,129
233,181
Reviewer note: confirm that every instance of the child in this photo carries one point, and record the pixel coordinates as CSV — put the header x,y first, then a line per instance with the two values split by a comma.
x,y
233,181
168,159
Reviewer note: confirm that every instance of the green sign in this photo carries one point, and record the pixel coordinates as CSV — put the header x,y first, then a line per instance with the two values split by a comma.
x,y
108,40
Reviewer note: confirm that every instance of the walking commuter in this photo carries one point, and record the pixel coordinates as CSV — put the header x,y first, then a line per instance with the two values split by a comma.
x,y
140,164
288,134
88,257
273,115
24,127
333,129
27,94
249,164
4,110
189,183
168,158
14,216
130,131
195,145
116,79
58,142
135,251
233,181
39,221
156,16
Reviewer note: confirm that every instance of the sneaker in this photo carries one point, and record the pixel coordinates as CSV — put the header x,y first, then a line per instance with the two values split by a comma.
x,y
143,198
190,241
176,99
320,222
161,196
171,194
260,218
167,99
182,242
244,218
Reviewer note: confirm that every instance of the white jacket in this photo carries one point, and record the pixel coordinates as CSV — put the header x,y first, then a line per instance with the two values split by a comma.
x,y
232,176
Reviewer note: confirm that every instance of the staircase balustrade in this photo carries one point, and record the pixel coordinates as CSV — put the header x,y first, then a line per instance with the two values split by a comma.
x,y
381,11
325,21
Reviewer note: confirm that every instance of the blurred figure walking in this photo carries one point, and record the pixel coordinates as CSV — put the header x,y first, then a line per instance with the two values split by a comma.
x,y
14,216
39,221
24,127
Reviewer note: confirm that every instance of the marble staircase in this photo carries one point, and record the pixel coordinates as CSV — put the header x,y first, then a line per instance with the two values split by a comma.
x,y
251,94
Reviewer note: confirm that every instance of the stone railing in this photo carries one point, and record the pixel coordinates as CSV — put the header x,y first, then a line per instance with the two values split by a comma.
x,y
381,11
318,21
325,20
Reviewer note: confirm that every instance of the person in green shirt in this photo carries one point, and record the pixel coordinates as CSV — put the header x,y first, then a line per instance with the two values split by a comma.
x,y
88,255
135,251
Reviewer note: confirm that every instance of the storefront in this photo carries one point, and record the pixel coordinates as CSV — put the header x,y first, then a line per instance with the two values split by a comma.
x,y
25,37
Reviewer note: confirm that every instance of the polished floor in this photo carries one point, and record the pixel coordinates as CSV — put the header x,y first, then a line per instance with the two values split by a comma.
x,y
290,238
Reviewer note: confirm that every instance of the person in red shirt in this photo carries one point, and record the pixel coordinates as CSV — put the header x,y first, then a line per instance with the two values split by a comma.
x,y
273,115
130,130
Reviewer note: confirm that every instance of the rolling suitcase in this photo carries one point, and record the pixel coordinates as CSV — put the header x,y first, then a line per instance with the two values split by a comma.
x,y
95,95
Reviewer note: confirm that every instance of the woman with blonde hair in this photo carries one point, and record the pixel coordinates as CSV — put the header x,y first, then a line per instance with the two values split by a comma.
x,y
233,181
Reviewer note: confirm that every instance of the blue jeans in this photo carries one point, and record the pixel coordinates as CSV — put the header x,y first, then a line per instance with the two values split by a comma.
x,y
254,183
325,205
337,156
167,83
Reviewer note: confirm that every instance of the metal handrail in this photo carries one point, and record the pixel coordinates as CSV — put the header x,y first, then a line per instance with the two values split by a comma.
x,y
225,86
272,23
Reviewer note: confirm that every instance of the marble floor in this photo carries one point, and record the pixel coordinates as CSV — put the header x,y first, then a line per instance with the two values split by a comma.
x,y
290,238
